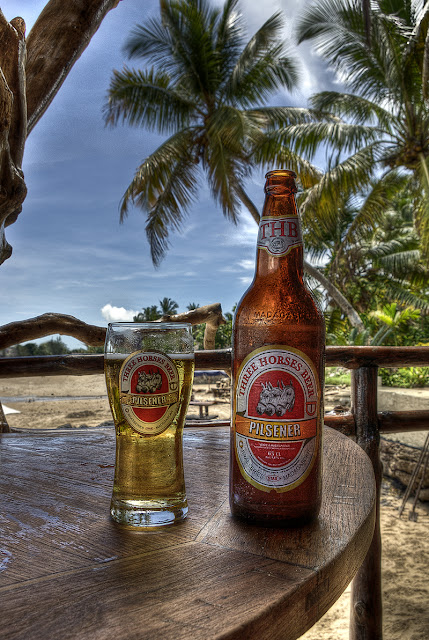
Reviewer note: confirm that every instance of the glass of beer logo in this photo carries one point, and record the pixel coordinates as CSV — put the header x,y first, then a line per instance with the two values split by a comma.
x,y
149,370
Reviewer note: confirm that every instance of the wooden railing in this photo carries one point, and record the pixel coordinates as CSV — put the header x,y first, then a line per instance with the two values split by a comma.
x,y
364,422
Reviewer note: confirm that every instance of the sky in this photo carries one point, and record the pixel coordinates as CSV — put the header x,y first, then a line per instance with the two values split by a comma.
x,y
70,253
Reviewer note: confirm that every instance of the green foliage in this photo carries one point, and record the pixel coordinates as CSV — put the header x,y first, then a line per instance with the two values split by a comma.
x,y
396,322
167,307
412,377
383,117
92,350
337,376
52,347
223,334
170,307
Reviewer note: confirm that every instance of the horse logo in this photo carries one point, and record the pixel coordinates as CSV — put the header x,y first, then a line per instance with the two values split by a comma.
x,y
149,382
276,400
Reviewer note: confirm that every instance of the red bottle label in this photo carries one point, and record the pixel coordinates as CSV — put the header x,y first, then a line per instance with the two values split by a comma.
x,y
276,417
149,391
278,236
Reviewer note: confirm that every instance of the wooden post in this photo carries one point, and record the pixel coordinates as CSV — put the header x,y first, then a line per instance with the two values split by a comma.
x,y
366,611
4,426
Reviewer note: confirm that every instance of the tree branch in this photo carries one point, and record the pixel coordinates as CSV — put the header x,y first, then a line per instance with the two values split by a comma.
x,y
52,323
30,76
211,315
58,38
13,125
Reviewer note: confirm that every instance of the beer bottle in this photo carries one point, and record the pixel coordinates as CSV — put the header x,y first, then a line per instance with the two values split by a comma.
x,y
277,374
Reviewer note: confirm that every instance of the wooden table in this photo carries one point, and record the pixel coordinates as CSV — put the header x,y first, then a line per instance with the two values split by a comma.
x,y
67,571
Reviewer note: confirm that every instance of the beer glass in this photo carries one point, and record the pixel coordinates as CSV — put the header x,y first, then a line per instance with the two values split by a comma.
x,y
149,371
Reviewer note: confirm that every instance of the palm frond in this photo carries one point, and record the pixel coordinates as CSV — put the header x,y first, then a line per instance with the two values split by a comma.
x,y
397,291
151,42
381,336
400,261
336,326
351,176
349,105
164,186
229,36
343,137
269,153
273,118
147,99
371,210
153,173
239,131
182,42
224,171
418,46
179,189
262,67
339,32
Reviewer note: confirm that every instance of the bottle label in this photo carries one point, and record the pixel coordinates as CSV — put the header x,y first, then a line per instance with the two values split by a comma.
x,y
277,236
276,417
149,391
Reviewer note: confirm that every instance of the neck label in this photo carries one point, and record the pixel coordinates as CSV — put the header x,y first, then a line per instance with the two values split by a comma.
x,y
277,236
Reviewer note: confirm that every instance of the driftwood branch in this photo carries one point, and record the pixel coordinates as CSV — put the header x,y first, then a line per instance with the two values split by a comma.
x,y
58,38
53,323
13,125
30,75
210,314
48,324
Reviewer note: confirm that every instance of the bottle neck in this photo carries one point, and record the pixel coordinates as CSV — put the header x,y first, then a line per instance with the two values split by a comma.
x,y
279,245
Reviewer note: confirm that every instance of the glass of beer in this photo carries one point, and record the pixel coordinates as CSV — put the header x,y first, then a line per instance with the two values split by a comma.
x,y
149,372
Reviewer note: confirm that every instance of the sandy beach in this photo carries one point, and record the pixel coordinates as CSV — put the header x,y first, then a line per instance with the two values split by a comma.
x,y
80,401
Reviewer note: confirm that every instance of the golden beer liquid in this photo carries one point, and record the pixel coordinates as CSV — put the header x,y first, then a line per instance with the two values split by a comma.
x,y
149,468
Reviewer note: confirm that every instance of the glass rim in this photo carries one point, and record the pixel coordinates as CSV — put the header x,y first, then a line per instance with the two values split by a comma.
x,y
150,325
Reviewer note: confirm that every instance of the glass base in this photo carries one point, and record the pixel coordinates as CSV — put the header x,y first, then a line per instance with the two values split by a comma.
x,y
145,514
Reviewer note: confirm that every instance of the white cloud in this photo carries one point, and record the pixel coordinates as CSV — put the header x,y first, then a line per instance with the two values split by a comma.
x,y
246,280
244,234
117,314
247,264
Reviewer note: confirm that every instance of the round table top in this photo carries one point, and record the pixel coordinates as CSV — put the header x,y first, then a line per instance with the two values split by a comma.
x,y
69,572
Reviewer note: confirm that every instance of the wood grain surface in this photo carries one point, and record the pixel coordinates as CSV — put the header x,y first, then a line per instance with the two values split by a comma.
x,y
67,571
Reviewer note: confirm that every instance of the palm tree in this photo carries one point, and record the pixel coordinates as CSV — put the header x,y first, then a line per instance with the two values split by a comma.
x,y
370,248
204,89
168,307
148,314
382,123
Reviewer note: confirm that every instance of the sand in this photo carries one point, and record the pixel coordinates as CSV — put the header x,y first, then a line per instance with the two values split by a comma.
x,y
81,401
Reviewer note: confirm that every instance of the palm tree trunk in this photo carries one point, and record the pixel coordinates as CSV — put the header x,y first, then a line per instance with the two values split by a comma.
x,y
336,295
248,203
425,72
332,290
